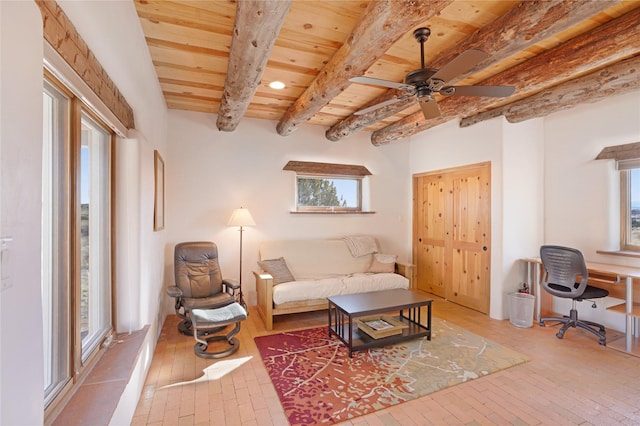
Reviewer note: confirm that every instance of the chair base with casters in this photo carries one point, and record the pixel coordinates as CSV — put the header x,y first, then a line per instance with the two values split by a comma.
x,y
573,321
207,322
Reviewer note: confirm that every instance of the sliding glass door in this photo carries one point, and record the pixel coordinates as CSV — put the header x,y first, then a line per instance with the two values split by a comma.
x,y
95,234
76,238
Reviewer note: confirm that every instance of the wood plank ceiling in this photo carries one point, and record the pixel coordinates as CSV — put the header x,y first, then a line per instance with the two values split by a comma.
x,y
556,53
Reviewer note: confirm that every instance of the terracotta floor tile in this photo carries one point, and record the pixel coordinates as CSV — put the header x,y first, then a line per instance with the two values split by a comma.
x,y
567,382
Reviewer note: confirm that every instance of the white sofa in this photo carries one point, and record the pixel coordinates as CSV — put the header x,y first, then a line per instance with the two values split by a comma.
x,y
321,268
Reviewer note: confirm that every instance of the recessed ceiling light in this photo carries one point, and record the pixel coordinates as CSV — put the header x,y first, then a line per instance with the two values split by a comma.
x,y
277,85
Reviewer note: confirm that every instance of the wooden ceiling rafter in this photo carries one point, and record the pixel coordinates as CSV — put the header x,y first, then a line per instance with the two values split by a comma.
x,y
256,28
614,41
380,26
524,25
617,79
323,43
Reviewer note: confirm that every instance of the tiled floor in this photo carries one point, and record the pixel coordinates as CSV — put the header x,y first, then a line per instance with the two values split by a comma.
x,y
569,381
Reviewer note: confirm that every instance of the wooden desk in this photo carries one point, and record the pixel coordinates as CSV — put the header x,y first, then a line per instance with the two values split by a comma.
x,y
616,273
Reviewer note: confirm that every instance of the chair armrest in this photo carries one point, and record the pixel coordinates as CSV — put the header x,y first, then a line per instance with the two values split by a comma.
x,y
233,284
174,291
407,270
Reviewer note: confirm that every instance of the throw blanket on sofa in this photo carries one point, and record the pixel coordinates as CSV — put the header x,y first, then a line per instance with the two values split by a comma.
x,y
360,245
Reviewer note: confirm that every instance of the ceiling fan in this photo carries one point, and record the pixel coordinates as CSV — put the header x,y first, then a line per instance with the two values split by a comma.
x,y
425,82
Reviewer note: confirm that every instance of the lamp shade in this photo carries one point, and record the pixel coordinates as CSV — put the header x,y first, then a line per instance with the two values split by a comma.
x,y
241,217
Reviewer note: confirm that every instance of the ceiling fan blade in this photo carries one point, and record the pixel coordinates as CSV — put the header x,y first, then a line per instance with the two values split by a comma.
x,y
429,108
380,82
461,64
378,106
491,91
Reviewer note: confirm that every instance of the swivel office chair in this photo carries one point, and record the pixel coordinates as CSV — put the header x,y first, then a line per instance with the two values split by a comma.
x,y
563,266
198,282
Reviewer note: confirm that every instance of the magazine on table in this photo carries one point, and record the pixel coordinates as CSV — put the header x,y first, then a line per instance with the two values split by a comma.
x,y
378,324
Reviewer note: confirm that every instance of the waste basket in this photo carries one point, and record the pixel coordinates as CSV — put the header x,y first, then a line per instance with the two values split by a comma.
x,y
521,309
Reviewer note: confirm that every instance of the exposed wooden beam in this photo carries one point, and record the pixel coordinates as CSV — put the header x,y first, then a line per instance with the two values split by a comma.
x,y
60,33
255,30
522,26
616,79
609,43
380,26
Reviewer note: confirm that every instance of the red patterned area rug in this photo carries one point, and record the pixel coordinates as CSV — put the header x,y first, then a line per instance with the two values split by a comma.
x,y
318,383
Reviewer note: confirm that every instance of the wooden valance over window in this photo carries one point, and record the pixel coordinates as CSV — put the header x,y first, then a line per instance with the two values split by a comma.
x,y
311,168
630,151
60,33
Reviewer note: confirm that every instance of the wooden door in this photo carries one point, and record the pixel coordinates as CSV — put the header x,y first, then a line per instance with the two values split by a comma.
x,y
452,222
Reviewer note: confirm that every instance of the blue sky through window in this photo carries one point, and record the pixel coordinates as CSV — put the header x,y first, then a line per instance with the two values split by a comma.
x,y
348,190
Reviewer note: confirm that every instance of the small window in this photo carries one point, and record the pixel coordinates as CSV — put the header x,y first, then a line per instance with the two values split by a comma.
x,y
316,193
328,187
630,208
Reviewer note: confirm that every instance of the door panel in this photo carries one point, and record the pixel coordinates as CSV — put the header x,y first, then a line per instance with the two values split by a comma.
x,y
452,234
431,271
431,201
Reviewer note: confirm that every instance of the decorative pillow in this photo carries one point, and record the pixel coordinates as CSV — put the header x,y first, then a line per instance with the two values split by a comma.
x,y
278,270
383,263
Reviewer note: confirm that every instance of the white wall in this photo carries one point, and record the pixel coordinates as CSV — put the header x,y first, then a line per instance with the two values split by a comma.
x,y
448,146
125,57
523,201
582,194
584,210
139,278
209,173
546,186
21,366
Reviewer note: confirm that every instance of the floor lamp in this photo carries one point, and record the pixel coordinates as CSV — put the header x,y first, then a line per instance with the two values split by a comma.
x,y
241,217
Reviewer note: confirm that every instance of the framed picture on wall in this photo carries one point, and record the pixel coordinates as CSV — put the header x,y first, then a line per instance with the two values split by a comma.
x,y
158,207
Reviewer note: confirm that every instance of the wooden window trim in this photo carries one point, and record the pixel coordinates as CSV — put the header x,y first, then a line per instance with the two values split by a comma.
x,y
327,169
317,170
79,370
61,34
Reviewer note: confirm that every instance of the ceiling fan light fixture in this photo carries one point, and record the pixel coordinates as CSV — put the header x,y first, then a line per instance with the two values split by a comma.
x,y
277,85
426,82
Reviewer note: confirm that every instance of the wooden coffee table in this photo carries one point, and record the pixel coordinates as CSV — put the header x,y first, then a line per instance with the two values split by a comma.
x,y
345,312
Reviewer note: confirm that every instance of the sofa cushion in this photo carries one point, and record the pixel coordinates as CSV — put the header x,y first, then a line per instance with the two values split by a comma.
x,y
362,283
298,291
383,263
315,259
278,269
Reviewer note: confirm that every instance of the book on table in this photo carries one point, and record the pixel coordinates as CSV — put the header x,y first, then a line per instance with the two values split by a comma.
x,y
378,324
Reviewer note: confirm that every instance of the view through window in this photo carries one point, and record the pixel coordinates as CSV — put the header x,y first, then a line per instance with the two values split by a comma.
x,y
629,204
76,238
329,193
634,208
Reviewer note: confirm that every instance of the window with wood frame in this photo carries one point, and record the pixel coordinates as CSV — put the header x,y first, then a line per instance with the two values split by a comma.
x,y
627,158
629,205
328,187
76,239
